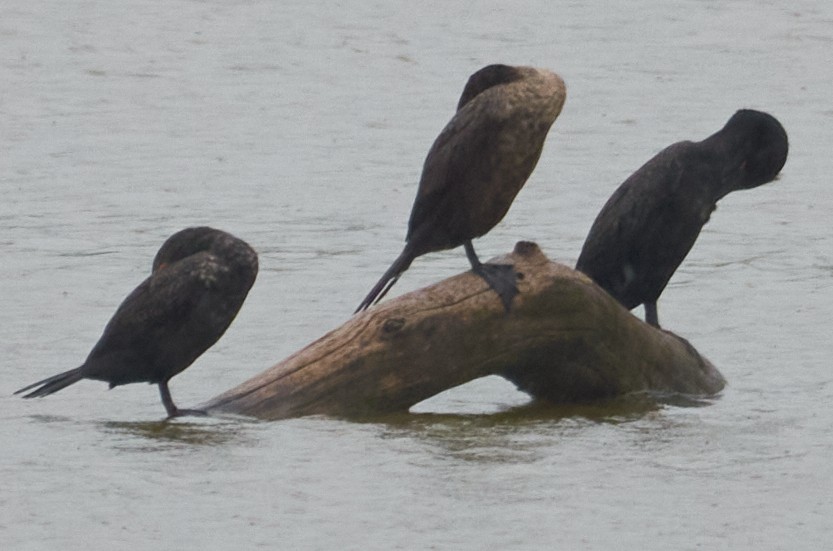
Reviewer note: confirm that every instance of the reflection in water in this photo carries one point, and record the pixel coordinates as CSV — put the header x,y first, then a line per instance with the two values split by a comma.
x,y
164,434
514,435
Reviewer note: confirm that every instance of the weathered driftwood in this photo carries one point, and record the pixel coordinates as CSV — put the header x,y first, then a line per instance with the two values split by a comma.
x,y
565,340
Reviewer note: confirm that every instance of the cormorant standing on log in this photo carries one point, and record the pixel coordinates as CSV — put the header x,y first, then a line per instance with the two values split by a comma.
x,y
477,165
649,224
198,283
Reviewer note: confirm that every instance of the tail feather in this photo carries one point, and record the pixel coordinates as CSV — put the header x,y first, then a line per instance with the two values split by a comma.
x,y
402,262
53,384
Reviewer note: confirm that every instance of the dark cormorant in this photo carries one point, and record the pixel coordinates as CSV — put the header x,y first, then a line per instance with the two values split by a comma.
x,y
199,280
649,224
477,165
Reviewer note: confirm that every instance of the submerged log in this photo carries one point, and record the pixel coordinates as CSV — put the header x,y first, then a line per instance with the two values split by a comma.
x,y
565,340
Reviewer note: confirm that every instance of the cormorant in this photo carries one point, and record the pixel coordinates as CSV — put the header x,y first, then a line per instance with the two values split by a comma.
x,y
199,280
476,166
649,224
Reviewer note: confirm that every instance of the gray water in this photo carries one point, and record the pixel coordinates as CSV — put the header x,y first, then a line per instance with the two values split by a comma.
x,y
302,129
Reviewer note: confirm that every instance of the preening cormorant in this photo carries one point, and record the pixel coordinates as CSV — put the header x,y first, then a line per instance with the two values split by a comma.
x,y
198,283
649,224
476,166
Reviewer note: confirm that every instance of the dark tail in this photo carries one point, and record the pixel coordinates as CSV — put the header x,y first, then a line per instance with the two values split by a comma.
x,y
54,383
381,288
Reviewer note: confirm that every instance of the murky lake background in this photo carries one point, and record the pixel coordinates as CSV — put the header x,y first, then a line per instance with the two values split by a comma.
x,y
302,129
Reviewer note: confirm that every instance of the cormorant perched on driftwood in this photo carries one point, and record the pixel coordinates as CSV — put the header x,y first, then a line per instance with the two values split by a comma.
x,y
647,227
477,165
198,283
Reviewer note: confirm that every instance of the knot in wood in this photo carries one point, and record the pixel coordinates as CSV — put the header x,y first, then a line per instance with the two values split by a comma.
x,y
527,248
392,325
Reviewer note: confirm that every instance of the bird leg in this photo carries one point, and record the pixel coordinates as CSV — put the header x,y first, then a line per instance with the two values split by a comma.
x,y
170,407
500,277
651,316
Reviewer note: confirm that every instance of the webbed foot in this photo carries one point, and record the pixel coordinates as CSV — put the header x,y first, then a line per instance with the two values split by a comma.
x,y
501,278
183,412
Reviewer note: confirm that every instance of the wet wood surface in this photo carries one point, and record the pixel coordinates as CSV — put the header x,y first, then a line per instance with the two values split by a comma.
x,y
565,341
